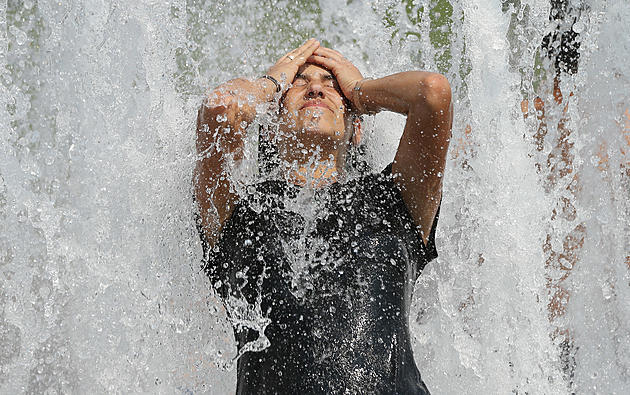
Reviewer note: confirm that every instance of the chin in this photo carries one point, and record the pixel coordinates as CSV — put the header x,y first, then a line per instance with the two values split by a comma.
x,y
322,132
322,127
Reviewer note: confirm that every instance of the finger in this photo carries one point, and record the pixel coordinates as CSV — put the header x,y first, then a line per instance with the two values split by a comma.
x,y
307,44
306,51
311,44
331,53
328,63
300,55
292,54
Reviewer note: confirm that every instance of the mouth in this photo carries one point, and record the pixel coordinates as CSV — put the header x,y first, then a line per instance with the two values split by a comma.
x,y
315,103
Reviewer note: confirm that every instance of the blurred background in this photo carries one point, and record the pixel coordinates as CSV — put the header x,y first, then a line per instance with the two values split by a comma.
x,y
100,282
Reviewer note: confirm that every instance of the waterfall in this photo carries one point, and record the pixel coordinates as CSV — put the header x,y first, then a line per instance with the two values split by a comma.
x,y
101,287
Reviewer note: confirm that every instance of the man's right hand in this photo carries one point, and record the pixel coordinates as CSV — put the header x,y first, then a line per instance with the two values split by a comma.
x,y
227,112
286,67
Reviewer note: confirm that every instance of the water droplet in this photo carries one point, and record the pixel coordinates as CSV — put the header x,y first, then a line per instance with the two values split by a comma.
x,y
20,36
578,27
49,158
22,215
607,292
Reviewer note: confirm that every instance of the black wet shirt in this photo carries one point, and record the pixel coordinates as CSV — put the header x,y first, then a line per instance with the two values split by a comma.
x,y
333,269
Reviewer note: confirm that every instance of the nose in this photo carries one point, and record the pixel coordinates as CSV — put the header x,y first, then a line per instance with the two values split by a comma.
x,y
315,89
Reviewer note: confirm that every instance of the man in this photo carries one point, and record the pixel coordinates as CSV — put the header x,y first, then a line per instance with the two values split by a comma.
x,y
331,262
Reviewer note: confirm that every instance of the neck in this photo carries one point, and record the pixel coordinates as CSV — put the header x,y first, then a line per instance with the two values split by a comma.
x,y
317,176
315,169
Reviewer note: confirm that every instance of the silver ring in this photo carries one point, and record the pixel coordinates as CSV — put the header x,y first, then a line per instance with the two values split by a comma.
x,y
291,57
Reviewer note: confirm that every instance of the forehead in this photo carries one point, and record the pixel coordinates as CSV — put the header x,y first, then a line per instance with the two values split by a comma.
x,y
313,71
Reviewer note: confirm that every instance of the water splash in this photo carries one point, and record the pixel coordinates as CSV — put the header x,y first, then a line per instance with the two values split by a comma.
x,y
101,287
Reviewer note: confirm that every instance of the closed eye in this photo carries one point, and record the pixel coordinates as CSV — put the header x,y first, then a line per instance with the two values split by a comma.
x,y
300,80
329,81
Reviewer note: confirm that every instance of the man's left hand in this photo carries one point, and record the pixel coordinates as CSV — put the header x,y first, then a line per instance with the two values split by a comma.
x,y
345,72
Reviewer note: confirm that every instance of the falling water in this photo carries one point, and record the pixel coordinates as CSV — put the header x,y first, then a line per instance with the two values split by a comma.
x,y
99,257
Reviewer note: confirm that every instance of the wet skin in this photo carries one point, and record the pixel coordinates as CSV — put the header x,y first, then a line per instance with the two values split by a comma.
x,y
315,130
314,107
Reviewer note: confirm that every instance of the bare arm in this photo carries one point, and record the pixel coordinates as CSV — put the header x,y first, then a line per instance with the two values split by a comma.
x,y
221,123
425,98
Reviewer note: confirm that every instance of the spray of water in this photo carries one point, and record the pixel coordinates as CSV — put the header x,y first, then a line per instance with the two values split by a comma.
x,y
99,257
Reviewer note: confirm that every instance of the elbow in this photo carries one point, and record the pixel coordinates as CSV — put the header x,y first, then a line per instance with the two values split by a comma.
x,y
219,106
217,111
223,104
434,92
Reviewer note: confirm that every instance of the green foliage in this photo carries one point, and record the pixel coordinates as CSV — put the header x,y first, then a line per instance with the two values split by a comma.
x,y
260,31
440,13
441,21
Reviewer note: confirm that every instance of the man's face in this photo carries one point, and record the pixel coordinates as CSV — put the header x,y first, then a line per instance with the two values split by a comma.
x,y
313,108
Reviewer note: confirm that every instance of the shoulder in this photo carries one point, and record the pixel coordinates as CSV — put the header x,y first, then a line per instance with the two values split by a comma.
x,y
382,196
254,202
380,187
374,195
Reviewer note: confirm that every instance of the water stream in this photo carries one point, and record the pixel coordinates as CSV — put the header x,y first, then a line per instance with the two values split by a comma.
x,y
100,282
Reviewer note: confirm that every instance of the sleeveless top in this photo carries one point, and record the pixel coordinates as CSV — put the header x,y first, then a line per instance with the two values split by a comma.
x,y
332,270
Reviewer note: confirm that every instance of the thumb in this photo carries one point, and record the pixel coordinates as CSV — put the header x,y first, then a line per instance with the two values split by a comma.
x,y
358,131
